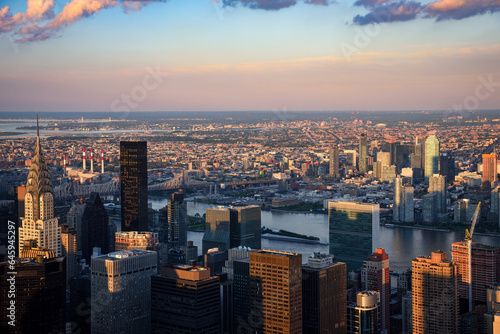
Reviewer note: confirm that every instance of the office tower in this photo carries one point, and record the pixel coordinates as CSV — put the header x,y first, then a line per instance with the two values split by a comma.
x,y
490,170
334,161
407,314
460,210
437,185
447,166
397,198
136,240
351,157
375,277
94,227
111,235
215,260
435,306
177,221
351,224
80,303
69,250
431,156
185,299
121,292
429,209
384,158
226,300
388,173
241,296
74,220
416,158
232,227
232,255
275,284
324,295
363,153
39,222
191,252
363,316
39,296
485,269
134,185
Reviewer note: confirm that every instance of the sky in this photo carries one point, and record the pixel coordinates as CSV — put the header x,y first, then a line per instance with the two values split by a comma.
x,y
231,55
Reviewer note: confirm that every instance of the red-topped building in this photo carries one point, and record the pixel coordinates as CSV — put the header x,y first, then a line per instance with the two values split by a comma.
x,y
375,277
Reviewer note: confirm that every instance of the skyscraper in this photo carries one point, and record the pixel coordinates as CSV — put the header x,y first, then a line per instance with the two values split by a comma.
x,y
134,185
185,299
437,185
69,250
121,292
363,153
94,227
324,295
460,210
490,171
435,305
485,269
232,227
334,161
241,296
364,315
275,284
39,222
177,221
429,209
40,296
431,156
375,277
447,166
354,230
495,205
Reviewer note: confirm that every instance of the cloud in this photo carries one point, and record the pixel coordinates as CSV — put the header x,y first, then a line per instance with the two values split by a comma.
x,y
36,10
272,4
402,10
460,9
391,12
29,25
261,4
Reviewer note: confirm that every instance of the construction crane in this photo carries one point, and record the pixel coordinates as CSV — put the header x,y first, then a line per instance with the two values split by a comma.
x,y
468,238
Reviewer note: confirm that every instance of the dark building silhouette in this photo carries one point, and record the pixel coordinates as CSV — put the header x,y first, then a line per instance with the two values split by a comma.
x,y
241,296
231,227
40,296
324,298
80,292
134,185
215,260
175,225
185,299
447,166
95,228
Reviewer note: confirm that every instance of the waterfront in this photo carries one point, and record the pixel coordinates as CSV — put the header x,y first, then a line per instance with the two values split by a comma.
x,y
401,244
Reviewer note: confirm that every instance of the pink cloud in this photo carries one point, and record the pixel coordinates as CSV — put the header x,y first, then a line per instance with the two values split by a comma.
x,y
37,10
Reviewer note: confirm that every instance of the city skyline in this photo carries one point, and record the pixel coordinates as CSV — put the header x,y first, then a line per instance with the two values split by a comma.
x,y
249,55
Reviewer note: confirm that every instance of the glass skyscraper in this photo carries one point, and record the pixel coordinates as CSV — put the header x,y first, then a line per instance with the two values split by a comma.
x,y
431,156
134,185
354,230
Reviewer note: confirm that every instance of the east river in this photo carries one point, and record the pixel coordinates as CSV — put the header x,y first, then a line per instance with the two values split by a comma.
x,y
401,244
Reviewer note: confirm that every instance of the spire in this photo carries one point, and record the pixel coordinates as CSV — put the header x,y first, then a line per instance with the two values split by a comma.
x,y
37,127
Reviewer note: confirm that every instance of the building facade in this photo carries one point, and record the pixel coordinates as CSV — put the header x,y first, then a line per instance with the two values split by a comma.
x,y
324,298
134,185
354,230
431,159
232,227
375,277
275,284
121,292
485,269
363,316
435,306
185,300
490,171
95,227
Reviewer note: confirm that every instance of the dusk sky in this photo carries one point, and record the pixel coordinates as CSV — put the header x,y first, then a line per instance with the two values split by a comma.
x,y
196,55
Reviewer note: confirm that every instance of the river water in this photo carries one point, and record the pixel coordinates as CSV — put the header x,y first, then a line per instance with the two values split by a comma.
x,y
401,244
